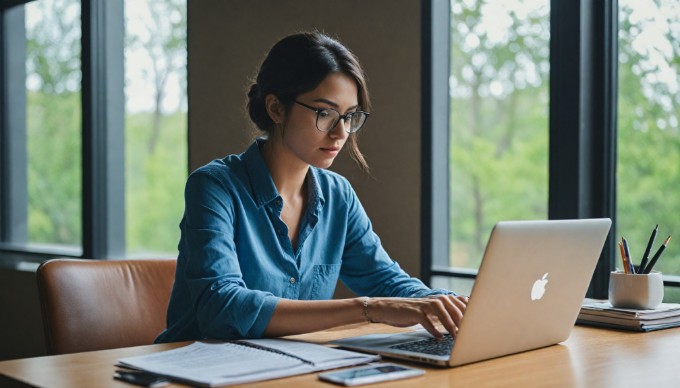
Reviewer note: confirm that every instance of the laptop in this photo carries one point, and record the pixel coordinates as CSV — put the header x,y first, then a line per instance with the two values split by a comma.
x,y
531,283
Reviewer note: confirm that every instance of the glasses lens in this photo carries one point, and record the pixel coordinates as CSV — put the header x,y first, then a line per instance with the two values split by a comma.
x,y
357,121
326,119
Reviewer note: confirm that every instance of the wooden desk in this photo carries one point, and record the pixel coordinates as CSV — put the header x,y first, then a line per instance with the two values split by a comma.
x,y
590,358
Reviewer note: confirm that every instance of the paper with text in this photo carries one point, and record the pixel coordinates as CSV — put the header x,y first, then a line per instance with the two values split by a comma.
x,y
225,363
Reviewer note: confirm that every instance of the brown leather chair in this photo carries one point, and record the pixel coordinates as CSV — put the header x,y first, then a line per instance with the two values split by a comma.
x,y
103,304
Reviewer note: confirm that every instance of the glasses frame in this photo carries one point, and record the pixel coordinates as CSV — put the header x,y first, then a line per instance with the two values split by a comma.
x,y
342,117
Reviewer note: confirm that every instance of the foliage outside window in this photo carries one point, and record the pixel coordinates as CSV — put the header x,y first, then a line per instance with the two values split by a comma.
x,y
53,121
499,120
648,128
156,125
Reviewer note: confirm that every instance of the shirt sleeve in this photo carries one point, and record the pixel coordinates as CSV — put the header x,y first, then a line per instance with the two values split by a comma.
x,y
224,307
367,269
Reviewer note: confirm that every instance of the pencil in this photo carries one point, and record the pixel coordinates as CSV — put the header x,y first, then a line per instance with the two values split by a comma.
x,y
645,256
623,258
628,259
657,255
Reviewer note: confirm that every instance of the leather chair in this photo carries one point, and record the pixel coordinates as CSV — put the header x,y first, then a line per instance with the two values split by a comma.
x,y
103,304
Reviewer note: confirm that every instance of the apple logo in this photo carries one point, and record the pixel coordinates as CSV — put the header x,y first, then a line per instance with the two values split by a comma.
x,y
538,289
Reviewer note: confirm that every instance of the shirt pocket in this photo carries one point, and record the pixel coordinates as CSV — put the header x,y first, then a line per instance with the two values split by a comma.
x,y
325,278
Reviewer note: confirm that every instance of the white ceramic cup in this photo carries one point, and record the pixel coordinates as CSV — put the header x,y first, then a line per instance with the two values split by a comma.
x,y
636,291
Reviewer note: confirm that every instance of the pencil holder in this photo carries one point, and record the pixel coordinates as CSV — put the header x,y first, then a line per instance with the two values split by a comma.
x,y
636,291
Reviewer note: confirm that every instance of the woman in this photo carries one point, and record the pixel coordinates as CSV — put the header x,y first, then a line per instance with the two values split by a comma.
x,y
266,234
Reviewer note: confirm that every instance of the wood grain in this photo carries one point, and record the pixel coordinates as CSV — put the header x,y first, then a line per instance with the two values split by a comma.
x,y
591,357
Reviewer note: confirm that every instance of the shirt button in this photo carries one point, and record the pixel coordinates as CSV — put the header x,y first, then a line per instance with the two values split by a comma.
x,y
292,280
278,202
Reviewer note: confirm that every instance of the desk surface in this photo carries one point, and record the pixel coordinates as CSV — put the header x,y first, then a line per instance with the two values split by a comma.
x,y
591,357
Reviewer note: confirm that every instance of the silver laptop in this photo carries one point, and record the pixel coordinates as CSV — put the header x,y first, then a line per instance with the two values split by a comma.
x,y
527,295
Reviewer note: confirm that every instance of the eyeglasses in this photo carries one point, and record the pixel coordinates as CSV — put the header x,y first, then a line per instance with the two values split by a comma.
x,y
327,118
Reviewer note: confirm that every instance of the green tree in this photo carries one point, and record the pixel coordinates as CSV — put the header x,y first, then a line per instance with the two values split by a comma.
x,y
156,146
499,139
154,184
648,138
53,119
156,141
164,41
499,107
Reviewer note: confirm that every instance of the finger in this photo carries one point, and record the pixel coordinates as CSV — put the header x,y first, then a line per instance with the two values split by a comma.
x,y
459,298
451,330
455,309
460,302
429,326
441,311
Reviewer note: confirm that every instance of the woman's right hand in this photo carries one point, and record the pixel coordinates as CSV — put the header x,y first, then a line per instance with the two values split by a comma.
x,y
446,310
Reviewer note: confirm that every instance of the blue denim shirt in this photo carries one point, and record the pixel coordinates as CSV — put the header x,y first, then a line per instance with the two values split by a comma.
x,y
236,260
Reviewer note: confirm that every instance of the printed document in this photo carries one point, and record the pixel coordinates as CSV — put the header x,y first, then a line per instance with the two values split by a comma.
x,y
223,363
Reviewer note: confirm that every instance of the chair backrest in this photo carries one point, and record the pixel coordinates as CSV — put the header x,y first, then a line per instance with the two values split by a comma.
x,y
103,304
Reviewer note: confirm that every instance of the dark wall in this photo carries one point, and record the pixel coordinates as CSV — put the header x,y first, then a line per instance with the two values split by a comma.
x,y
21,330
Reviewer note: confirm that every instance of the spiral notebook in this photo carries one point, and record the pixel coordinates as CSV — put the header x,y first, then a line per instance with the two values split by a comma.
x,y
214,364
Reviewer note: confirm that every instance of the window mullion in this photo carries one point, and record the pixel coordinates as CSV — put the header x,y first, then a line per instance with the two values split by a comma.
x,y
436,21
103,129
582,118
13,168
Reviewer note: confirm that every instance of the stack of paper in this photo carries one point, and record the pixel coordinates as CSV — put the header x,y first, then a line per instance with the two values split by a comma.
x,y
224,363
601,313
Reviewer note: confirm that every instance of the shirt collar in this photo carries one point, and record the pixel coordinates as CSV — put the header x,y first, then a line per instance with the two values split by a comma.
x,y
315,198
262,184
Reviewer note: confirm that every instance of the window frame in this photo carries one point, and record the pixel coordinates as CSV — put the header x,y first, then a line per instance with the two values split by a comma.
x,y
582,160
103,141
13,180
435,136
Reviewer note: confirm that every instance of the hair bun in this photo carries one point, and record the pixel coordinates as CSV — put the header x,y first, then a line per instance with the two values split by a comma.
x,y
254,92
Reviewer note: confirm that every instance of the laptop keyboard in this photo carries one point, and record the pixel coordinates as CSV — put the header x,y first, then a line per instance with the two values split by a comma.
x,y
433,346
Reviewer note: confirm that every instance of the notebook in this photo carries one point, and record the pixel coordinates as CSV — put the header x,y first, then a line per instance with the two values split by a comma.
x,y
217,363
531,283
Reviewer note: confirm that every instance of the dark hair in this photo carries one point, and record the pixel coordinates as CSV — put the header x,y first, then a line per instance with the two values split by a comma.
x,y
297,64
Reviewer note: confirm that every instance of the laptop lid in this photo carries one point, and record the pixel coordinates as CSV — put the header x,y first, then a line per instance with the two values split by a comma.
x,y
530,287
528,292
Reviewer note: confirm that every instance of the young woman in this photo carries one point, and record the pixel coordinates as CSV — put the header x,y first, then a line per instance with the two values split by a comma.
x,y
266,234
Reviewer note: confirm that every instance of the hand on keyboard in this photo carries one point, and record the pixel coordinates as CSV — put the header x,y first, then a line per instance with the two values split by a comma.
x,y
402,312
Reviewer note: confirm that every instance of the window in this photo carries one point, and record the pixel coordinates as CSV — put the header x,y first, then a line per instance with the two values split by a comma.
x,y
649,132
82,143
53,122
613,140
498,126
613,118
155,125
